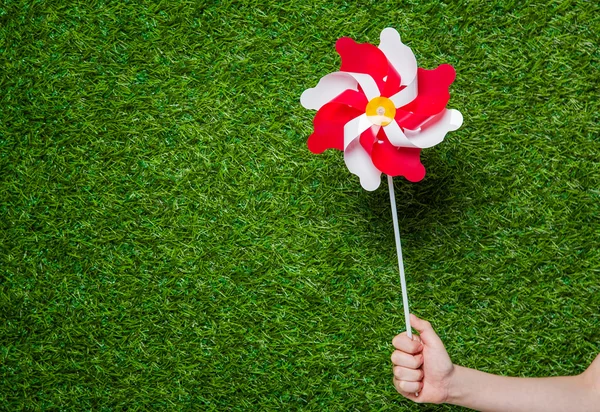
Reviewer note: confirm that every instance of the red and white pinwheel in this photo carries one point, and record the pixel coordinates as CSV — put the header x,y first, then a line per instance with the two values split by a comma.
x,y
381,110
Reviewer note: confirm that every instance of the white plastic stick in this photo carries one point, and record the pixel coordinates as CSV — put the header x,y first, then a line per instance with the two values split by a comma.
x,y
399,251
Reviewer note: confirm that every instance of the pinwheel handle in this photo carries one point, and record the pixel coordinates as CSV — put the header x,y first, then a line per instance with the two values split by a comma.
x,y
390,180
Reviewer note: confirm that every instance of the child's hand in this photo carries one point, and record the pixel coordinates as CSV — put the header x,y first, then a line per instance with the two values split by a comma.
x,y
421,365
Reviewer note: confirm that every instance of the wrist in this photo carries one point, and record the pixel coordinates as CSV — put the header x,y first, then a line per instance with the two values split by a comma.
x,y
456,391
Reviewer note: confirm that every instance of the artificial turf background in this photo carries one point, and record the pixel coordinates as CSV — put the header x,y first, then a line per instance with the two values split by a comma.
x,y
169,243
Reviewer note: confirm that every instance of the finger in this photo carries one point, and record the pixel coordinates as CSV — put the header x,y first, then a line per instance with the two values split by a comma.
x,y
405,387
406,374
412,396
405,344
426,332
407,360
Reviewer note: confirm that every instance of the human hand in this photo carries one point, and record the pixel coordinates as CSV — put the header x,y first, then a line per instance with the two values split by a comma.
x,y
421,365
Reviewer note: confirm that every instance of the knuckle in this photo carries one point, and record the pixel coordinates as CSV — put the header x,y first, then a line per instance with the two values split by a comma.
x,y
402,385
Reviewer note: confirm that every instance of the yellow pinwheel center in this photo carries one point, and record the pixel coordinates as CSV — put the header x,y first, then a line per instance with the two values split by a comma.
x,y
381,111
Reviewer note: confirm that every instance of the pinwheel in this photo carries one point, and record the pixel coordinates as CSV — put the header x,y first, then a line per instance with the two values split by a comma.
x,y
381,110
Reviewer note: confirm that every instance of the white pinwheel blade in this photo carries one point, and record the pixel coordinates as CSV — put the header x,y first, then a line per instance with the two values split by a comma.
x,y
359,163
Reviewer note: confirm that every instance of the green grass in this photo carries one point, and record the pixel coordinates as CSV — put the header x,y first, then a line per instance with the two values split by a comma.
x,y
168,242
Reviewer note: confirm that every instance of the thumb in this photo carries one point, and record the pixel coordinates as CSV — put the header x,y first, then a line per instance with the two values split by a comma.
x,y
426,332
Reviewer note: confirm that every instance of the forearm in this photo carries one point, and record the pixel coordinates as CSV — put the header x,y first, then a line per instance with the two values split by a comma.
x,y
486,392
